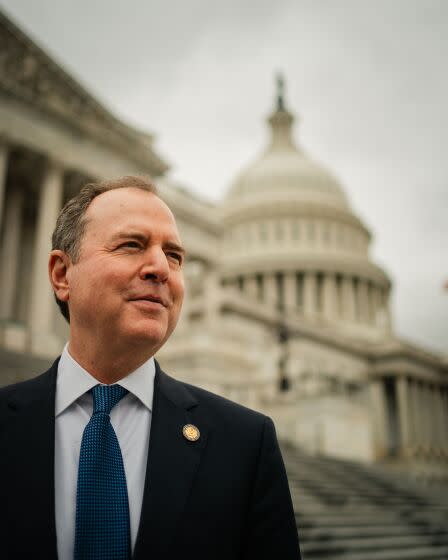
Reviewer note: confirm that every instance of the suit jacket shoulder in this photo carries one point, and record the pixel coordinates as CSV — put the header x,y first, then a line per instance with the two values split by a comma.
x,y
25,393
30,386
27,467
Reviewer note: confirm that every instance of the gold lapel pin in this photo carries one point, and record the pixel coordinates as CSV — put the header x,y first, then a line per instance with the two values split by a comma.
x,y
191,432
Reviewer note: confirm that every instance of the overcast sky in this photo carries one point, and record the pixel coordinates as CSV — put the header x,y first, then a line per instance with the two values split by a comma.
x,y
367,80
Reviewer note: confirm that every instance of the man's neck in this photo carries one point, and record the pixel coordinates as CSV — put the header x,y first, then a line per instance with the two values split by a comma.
x,y
106,363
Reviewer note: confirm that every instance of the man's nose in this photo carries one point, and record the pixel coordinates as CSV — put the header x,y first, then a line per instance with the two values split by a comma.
x,y
156,266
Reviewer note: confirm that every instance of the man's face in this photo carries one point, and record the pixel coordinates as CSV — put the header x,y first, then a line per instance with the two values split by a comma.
x,y
127,285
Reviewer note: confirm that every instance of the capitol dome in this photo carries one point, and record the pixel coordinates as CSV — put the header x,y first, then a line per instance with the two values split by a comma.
x,y
285,170
291,238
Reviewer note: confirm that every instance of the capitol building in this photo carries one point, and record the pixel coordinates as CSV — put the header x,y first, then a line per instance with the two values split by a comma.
x,y
285,310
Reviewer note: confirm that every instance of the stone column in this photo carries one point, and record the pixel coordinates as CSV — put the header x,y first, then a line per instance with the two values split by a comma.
x,y
363,301
388,310
444,399
330,296
376,305
404,413
4,152
414,414
270,288
383,317
290,290
419,400
250,285
10,252
309,293
371,303
423,416
212,297
428,411
435,416
348,298
433,411
42,301
441,433
378,399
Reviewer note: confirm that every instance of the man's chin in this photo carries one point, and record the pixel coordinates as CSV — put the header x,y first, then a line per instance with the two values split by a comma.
x,y
152,334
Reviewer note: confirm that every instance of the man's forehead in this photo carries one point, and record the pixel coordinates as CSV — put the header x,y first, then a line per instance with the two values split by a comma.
x,y
128,204
126,197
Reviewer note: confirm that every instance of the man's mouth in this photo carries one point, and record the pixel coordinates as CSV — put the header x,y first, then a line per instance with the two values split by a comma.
x,y
151,298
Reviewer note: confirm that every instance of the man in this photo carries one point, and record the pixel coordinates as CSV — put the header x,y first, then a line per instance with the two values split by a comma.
x,y
105,456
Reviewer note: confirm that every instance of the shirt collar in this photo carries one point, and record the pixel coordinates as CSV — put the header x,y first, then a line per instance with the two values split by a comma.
x,y
73,381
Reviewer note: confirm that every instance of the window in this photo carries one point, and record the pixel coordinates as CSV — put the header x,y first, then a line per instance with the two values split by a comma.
x,y
311,231
279,230
326,227
263,231
295,231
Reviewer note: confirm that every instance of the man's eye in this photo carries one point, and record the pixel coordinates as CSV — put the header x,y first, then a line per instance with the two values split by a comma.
x,y
176,256
131,244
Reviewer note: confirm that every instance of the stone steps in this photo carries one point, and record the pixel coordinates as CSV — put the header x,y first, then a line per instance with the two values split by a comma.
x,y
377,542
336,532
421,553
349,511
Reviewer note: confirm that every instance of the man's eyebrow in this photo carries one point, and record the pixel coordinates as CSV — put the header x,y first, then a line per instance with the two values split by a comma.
x,y
129,234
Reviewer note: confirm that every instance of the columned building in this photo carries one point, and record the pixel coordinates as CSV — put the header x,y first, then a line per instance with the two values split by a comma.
x,y
285,310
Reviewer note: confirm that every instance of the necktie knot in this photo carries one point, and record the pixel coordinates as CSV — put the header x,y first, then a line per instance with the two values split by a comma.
x,y
105,397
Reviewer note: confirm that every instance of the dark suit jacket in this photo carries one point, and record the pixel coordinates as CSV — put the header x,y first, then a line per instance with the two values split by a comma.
x,y
223,497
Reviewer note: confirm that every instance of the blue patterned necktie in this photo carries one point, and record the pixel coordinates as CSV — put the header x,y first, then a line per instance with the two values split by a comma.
x,y
102,508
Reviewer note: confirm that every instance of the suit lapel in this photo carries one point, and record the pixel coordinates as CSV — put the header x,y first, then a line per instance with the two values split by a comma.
x,y
172,464
31,459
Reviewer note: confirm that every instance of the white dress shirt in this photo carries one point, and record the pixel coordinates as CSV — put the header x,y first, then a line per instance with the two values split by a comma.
x,y
131,420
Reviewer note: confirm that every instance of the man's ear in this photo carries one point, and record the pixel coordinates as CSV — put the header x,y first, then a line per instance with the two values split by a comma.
x,y
58,265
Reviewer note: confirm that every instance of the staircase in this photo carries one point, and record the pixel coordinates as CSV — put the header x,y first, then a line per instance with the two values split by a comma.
x,y
349,511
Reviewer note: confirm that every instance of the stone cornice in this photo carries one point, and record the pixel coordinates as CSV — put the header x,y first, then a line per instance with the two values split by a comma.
x,y
28,74
407,356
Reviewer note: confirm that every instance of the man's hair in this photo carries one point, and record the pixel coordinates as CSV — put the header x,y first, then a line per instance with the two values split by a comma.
x,y
71,222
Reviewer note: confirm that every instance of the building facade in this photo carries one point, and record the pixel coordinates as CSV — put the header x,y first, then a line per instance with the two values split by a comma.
x,y
285,310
